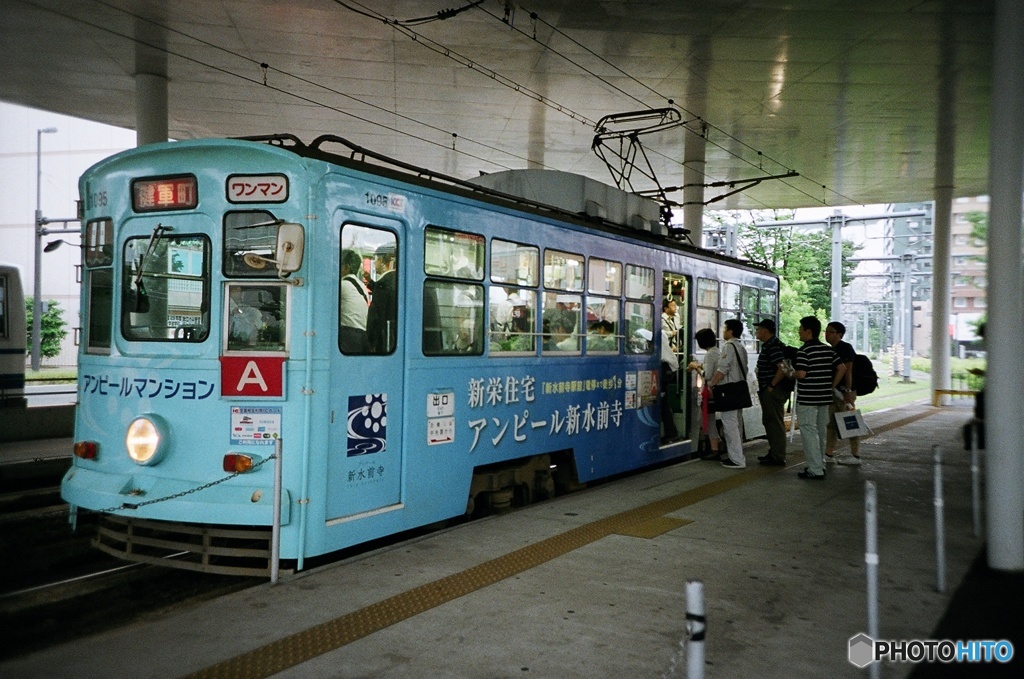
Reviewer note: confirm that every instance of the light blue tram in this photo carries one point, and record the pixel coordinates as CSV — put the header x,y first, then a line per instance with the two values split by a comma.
x,y
423,347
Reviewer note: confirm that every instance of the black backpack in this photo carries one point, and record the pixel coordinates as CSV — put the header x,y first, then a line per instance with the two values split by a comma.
x,y
865,379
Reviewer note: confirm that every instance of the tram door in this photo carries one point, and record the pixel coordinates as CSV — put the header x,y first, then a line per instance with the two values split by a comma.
x,y
367,372
676,288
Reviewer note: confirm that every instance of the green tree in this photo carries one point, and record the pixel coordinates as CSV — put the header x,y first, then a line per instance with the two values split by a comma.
x,y
979,224
794,253
793,306
52,327
979,230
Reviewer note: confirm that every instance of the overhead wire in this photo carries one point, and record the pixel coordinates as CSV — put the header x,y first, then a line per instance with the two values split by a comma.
x,y
262,81
453,55
402,26
430,18
535,16
522,89
447,52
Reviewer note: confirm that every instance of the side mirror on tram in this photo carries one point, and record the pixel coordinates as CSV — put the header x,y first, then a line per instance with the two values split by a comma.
x,y
291,239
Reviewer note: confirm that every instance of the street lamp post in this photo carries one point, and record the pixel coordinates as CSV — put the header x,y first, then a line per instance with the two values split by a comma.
x,y
37,306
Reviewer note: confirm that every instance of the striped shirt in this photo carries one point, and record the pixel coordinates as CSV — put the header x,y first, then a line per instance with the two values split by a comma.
x,y
820,362
768,361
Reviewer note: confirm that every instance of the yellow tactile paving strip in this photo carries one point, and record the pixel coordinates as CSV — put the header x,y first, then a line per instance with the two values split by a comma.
x,y
641,522
652,528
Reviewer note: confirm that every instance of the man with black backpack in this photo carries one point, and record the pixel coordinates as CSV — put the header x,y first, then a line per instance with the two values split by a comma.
x,y
773,390
844,395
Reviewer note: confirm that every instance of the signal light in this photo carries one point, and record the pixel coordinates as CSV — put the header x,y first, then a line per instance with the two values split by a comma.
x,y
87,450
237,463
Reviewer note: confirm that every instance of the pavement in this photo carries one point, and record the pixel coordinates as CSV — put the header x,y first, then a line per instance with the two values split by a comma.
x,y
593,584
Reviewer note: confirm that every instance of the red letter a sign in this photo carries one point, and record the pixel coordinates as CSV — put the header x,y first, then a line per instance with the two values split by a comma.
x,y
252,376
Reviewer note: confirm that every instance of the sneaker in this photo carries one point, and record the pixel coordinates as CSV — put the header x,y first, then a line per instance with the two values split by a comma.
x,y
769,461
806,474
849,460
729,464
830,458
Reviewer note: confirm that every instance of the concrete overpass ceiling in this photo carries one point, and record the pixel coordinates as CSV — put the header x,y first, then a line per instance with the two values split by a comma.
x,y
845,93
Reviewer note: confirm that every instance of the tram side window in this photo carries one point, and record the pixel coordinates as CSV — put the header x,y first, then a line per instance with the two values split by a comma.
x,y
730,304
513,306
453,254
707,305
602,325
767,304
751,311
98,252
604,288
514,263
562,312
512,314
165,292
639,316
453,318
257,316
453,310
561,322
731,298
101,308
250,244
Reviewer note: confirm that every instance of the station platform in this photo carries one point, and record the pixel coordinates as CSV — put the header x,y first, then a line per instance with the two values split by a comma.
x,y
593,584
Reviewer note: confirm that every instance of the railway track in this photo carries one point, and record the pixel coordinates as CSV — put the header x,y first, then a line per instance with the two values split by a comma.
x,y
54,585
101,599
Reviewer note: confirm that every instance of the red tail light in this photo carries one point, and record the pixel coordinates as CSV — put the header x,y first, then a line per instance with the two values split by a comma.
x,y
86,450
237,463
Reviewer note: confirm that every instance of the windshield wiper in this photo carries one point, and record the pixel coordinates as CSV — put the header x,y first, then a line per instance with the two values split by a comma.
x,y
141,298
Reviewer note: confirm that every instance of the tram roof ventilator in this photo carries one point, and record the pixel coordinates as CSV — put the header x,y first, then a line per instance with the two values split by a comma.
x,y
579,195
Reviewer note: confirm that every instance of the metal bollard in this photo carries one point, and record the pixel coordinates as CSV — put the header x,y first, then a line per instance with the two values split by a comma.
x,y
275,531
975,480
940,531
696,625
871,564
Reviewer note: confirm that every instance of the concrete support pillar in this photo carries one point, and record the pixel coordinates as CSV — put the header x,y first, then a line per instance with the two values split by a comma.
x,y
694,155
150,108
150,83
695,140
1004,432
942,222
836,223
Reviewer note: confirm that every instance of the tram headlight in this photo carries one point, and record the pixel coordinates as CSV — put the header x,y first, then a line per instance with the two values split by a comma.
x,y
146,439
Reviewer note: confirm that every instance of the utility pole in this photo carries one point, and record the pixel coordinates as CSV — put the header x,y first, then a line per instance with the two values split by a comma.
x,y
40,232
37,306
835,224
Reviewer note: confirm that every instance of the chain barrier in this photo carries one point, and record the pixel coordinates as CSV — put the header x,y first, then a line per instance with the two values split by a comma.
x,y
137,505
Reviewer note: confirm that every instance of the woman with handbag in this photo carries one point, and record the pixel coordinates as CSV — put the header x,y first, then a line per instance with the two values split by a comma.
x,y
731,373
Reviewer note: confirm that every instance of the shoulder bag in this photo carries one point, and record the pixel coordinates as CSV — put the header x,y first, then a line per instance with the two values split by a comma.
x,y
732,395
